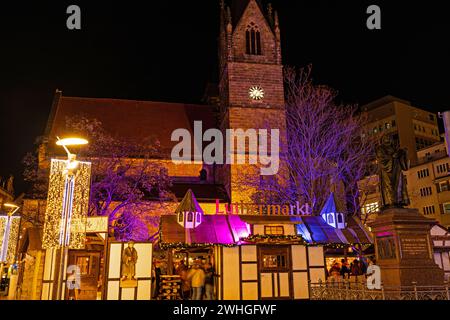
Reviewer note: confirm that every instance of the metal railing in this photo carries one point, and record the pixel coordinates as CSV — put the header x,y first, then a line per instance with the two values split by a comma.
x,y
351,290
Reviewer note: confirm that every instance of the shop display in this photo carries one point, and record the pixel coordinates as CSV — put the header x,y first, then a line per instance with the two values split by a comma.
x,y
170,288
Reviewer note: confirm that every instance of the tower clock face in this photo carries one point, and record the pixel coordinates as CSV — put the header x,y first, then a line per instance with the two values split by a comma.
x,y
256,93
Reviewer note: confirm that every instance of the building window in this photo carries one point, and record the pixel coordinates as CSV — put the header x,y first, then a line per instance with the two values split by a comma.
x,y
199,217
370,208
423,173
339,216
180,217
443,186
330,218
428,210
274,258
253,39
446,207
425,192
190,217
274,230
442,168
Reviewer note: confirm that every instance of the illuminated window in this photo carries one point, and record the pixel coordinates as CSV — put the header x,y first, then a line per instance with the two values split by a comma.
x,y
253,39
83,264
371,208
274,258
274,230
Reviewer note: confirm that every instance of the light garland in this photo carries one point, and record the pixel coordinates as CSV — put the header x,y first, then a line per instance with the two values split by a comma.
x,y
78,202
9,236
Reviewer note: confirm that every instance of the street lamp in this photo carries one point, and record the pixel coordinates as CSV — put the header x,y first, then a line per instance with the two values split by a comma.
x,y
69,173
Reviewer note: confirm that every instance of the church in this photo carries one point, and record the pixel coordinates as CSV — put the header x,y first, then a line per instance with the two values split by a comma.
x,y
267,257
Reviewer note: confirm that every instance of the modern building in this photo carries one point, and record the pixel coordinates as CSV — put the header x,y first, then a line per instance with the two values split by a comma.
x,y
429,183
413,128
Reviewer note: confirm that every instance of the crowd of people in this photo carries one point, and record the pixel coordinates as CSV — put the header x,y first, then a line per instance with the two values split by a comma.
x,y
197,281
354,271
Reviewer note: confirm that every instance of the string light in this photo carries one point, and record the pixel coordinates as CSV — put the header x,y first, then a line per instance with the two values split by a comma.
x,y
9,235
54,222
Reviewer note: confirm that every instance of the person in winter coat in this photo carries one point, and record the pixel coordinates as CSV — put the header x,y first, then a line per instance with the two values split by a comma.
x,y
197,277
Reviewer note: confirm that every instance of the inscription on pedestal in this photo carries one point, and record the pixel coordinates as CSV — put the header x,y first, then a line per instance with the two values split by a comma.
x,y
414,247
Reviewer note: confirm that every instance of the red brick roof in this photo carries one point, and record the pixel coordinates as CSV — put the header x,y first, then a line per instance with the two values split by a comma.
x,y
131,119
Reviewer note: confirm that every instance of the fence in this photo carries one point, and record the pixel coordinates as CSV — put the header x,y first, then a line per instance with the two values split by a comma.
x,y
348,290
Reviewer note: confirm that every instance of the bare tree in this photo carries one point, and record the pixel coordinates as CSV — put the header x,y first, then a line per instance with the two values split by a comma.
x,y
126,176
326,148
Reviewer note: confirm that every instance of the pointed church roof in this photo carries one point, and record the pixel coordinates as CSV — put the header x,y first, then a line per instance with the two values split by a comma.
x,y
333,204
189,204
238,8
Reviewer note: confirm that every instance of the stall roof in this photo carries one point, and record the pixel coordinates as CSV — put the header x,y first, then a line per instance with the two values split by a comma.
x,y
214,229
321,232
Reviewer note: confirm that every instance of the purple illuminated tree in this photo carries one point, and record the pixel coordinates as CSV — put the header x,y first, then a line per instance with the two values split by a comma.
x,y
326,147
126,176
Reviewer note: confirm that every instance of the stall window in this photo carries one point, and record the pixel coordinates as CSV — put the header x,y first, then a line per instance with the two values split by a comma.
x,y
330,218
83,264
274,230
274,259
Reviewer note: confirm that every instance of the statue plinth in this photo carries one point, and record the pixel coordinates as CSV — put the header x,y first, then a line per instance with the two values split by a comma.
x,y
404,249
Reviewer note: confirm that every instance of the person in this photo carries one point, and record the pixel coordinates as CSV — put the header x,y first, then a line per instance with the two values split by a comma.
x,y
356,271
185,285
335,272
345,270
197,277
157,272
209,281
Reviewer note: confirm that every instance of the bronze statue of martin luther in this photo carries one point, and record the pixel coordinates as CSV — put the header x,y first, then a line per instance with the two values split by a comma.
x,y
392,161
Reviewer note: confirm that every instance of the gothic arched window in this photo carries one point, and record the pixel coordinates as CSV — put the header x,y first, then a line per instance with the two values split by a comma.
x,y
340,218
330,218
190,217
180,217
252,39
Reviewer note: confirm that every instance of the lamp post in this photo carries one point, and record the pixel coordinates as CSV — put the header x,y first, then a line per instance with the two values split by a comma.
x,y
66,214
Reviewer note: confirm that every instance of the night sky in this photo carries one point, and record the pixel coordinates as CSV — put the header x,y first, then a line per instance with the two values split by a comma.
x,y
167,51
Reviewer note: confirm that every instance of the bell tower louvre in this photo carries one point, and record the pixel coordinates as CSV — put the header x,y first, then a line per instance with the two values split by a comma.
x,y
250,77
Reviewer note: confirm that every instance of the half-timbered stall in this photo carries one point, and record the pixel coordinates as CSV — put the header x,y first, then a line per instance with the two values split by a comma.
x,y
251,260
441,248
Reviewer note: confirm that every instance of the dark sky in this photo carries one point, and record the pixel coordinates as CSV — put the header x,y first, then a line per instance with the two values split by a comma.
x,y
166,51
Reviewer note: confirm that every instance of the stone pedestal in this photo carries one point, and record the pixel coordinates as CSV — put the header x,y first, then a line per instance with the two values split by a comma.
x,y
404,249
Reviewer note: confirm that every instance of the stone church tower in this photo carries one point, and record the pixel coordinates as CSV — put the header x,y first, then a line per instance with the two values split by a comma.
x,y
250,77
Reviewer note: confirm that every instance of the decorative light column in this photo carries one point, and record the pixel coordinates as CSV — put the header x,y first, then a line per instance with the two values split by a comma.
x,y
9,234
67,206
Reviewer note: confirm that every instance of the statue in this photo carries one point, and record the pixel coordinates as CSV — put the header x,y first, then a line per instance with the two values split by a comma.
x,y
392,161
129,260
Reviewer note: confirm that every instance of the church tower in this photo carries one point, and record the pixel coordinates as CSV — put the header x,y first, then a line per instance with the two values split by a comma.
x,y
251,76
